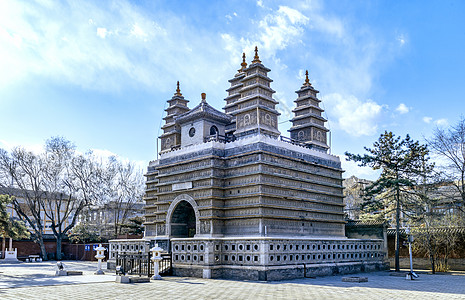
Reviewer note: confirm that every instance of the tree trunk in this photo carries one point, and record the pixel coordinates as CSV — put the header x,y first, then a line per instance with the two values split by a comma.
x,y
433,267
59,238
397,265
431,253
43,251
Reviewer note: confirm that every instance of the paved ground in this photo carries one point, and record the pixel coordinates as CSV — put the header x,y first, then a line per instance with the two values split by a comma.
x,y
37,281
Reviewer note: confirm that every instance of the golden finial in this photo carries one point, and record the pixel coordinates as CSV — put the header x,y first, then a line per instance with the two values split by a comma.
x,y
256,59
204,97
243,64
178,90
307,82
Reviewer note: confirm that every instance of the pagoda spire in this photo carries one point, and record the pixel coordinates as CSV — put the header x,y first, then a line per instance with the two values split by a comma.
x,y
243,64
256,59
178,90
307,82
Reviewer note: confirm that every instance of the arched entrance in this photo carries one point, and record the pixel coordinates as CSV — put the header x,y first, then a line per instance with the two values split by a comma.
x,y
183,222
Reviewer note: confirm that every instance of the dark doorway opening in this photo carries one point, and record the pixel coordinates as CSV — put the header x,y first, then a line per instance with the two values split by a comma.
x,y
183,221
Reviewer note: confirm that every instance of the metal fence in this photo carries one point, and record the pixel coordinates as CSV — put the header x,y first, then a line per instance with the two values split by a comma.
x,y
141,265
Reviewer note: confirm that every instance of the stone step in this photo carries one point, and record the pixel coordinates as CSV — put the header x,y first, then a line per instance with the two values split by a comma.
x,y
355,279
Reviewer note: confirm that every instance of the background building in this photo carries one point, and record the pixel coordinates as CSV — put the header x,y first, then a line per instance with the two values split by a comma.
x,y
107,218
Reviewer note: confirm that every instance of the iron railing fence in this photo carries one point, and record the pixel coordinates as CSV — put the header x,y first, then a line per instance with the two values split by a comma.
x,y
141,265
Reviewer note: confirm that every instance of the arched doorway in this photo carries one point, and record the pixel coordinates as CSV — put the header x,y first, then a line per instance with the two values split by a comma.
x,y
213,130
183,223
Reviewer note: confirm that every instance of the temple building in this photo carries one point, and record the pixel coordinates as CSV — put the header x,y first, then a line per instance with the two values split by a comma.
x,y
230,197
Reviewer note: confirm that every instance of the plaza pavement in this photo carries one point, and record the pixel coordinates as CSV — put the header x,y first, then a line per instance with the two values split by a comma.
x,y
37,281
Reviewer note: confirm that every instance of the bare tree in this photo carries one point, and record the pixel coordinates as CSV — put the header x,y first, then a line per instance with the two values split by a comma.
x,y
26,172
450,145
123,188
53,186
63,201
56,185
118,188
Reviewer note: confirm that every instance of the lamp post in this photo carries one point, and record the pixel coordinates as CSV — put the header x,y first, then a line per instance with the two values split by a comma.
x,y
100,255
156,258
410,275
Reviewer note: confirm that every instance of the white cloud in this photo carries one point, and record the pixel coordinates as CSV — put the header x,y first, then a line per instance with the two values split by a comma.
x,y
332,26
102,32
355,117
402,39
230,16
438,122
402,109
138,32
275,31
104,155
441,122
35,148
280,28
70,43
427,120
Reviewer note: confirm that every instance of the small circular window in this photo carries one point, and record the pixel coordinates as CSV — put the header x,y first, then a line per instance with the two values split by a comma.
x,y
192,132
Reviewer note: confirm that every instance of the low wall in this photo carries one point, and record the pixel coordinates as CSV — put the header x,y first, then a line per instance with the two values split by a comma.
x,y
455,264
270,258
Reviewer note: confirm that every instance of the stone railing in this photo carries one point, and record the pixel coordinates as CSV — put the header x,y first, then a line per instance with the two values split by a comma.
x,y
218,138
274,251
127,246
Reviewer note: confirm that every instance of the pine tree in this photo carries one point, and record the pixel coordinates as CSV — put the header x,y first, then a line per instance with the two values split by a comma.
x,y
401,161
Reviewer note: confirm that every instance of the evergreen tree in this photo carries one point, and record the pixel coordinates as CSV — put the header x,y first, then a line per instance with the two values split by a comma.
x,y
10,228
401,161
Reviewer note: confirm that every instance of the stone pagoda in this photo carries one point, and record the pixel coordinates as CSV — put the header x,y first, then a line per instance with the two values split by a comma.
x,y
171,137
308,126
230,197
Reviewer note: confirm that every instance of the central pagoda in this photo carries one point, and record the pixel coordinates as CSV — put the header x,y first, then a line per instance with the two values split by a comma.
x,y
230,197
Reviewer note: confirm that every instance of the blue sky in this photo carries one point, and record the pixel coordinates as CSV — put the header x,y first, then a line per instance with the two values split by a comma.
x,y
99,72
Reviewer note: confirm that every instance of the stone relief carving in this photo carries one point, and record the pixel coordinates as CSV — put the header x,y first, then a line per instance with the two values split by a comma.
x,y
161,229
247,119
205,227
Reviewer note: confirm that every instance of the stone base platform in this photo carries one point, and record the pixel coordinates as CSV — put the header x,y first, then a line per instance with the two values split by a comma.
x,y
67,273
275,258
131,279
354,279
272,273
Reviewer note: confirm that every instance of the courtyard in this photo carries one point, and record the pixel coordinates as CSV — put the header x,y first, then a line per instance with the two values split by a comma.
x,y
38,281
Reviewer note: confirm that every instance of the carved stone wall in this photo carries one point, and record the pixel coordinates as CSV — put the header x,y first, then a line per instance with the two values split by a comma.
x,y
273,252
252,186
